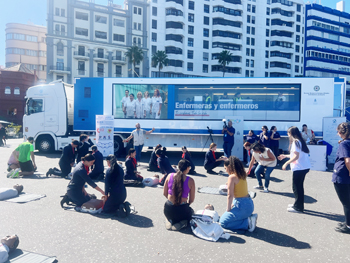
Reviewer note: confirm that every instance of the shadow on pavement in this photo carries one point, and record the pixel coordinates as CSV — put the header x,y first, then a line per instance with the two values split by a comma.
x,y
276,180
278,239
307,199
330,216
135,220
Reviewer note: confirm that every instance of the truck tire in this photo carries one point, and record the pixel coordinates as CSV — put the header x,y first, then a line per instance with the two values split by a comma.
x,y
45,144
118,146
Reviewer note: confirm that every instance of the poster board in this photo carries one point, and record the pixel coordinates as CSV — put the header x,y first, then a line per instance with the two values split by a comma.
x,y
104,134
330,135
317,157
238,124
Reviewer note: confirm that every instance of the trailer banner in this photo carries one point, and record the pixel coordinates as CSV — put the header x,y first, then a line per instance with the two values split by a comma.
x,y
104,134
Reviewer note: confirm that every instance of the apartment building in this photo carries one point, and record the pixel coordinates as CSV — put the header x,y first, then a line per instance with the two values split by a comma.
x,y
264,37
85,39
26,45
327,41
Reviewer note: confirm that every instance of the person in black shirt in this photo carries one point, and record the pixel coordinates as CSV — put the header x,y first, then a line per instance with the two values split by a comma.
x,y
98,168
76,187
2,135
211,161
187,155
84,145
153,166
164,165
66,161
131,167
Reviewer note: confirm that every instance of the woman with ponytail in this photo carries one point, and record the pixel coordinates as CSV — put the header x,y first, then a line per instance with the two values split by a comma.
x,y
153,166
164,164
131,167
179,189
187,155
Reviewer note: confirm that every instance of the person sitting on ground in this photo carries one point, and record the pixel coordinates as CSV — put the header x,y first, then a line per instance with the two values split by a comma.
x,y
153,166
66,161
164,164
211,161
7,245
131,167
209,211
97,171
151,181
76,188
7,193
240,206
179,189
13,162
115,189
187,155
83,147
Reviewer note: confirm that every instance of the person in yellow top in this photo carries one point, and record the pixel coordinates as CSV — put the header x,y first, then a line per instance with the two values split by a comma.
x,y
239,212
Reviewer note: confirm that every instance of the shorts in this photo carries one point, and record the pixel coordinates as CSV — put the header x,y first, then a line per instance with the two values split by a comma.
x,y
26,166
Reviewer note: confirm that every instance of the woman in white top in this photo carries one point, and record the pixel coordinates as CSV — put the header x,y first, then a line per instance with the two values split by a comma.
x,y
300,165
147,101
266,160
140,106
156,104
307,134
130,107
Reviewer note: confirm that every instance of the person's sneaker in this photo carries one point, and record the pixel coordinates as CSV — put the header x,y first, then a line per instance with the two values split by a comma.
x,y
16,173
127,206
211,172
340,224
252,220
252,194
266,190
69,176
292,210
180,225
78,208
168,224
258,187
343,229
9,168
9,175
290,205
121,211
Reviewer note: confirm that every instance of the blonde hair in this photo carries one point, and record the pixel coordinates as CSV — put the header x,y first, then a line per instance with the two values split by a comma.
x,y
212,145
145,93
139,93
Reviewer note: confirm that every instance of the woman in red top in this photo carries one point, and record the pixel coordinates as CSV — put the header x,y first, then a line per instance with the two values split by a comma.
x,y
211,161
131,164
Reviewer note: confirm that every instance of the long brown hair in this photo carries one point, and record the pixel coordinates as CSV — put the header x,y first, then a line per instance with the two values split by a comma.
x,y
236,166
299,141
179,180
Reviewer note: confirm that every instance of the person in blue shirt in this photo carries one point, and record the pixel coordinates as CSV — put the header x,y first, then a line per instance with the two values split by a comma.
x,y
341,175
251,138
264,137
274,140
229,140
97,172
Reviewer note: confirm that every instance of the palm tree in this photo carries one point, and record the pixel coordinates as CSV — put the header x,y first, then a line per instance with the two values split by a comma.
x,y
225,58
160,59
134,55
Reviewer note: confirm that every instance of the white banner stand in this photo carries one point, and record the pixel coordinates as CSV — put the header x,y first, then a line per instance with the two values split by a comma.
x,y
104,134
330,135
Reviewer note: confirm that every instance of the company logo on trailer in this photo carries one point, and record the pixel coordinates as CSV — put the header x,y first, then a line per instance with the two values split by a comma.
x,y
317,88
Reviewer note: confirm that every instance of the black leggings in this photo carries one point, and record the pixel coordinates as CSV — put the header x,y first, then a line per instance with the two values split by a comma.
x,y
298,188
211,166
177,213
343,192
116,198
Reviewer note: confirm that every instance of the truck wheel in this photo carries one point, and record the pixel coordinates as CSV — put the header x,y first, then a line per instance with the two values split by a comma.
x,y
118,146
45,144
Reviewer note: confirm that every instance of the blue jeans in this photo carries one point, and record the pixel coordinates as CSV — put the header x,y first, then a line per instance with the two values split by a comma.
x,y
259,170
237,218
138,152
228,148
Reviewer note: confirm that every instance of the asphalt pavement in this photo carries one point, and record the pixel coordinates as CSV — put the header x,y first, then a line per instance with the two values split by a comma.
x,y
44,227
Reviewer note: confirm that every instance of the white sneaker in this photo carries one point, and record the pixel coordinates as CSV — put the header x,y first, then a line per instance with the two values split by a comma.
x,y
69,176
16,173
258,187
252,220
292,210
9,175
266,190
290,205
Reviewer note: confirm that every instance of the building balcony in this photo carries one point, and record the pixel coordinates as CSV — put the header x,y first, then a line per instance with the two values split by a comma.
x,y
281,70
282,17
282,28
118,60
81,55
283,7
101,74
60,33
60,70
117,75
172,4
173,18
176,56
81,72
237,5
283,38
238,30
175,31
233,52
174,43
227,40
101,58
227,17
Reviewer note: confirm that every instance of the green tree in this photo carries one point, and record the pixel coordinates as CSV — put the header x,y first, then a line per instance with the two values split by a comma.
x,y
160,59
135,56
225,58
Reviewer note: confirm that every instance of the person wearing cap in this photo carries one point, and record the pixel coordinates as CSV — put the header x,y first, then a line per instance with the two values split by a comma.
x,y
26,158
7,193
7,245
98,168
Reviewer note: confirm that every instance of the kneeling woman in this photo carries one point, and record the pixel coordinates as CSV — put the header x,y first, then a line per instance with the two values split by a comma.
x,y
164,165
179,189
187,155
114,187
211,161
240,206
131,167
76,190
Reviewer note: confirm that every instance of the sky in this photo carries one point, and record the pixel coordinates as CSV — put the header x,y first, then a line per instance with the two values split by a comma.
x,y
22,11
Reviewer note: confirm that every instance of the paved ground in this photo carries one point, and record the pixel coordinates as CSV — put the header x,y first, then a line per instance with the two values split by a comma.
x,y
44,227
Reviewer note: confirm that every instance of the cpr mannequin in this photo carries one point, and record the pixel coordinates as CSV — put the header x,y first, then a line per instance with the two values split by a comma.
x,y
7,245
7,193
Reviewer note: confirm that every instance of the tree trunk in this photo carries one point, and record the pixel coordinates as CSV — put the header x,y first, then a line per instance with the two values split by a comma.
x,y
223,71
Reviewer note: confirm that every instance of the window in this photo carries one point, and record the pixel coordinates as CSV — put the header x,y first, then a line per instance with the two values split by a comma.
x,y
252,52
190,54
224,22
253,30
248,18
252,74
173,12
134,41
81,31
100,70
33,38
190,17
296,69
247,73
119,22
253,8
206,9
87,92
267,21
252,41
60,49
118,71
205,44
35,106
176,38
253,19
139,26
249,7
154,11
268,11
205,56
135,10
101,19
7,90
248,41
173,25
267,43
154,49
58,77
81,68
252,63
297,58
81,50
60,64
100,53
248,29
139,11
191,5
266,54
189,66
205,32
297,48
82,16
191,30
298,8
298,28
298,18
63,28
135,25
266,64
206,20
247,52
154,24
190,42
205,68
154,37
100,34
119,38
139,41
63,12
57,29
17,91
57,11
266,74
247,63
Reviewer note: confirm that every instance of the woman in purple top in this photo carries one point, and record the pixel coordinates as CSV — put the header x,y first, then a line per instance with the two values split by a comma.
x,y
341,175
179,189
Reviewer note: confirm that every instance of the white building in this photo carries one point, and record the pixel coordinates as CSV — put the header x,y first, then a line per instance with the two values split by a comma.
x,y
89,40
265,37
327,43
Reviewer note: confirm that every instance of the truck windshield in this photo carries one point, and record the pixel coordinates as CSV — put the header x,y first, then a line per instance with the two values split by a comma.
x,y
34,106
